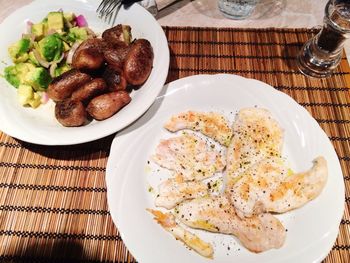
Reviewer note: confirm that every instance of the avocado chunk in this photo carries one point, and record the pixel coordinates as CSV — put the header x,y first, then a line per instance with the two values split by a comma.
x,y
38,30
69,16
26,96
51,47
76,33
61,69
38,78
55,21
33,59
18,50
10,74
16,74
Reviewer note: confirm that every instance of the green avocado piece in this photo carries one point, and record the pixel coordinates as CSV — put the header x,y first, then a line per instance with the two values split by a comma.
x,y
61,69
69,16
27,96
55,21
10,74
16,74
77,33
25,93
18,50
38,78
38,30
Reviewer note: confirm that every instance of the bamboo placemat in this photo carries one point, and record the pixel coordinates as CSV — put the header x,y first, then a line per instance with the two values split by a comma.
x,y
53,205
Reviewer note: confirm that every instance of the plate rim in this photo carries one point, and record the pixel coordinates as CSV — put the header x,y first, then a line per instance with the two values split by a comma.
x,y
110,168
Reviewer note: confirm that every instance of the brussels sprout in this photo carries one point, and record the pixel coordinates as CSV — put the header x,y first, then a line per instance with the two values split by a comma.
x,y
38,78
18,51
51,47
61,69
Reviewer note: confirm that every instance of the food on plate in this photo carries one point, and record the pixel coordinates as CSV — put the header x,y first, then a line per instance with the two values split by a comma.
x,y
42,54
26,96
255,183
256,135
118,35
138,62
106,105
216,214
63,86
167,221
89,90
70,113
88,59
189,156
213,125
175,190
269,186
114,79
60,58
103,60
115,56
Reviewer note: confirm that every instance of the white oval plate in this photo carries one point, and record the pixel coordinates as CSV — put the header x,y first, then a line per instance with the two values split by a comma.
x,y
40,125
312,229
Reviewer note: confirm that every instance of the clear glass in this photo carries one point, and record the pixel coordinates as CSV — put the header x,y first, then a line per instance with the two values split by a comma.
x,y
237,9
322,54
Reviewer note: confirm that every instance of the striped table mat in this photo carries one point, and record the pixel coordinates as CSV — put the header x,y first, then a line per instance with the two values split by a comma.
x,y
53,205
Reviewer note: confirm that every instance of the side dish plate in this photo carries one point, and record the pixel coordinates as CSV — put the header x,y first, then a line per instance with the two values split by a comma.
x,y
39,125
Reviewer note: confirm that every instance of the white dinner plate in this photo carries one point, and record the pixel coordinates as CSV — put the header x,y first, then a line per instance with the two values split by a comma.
x,y
40,125
312,229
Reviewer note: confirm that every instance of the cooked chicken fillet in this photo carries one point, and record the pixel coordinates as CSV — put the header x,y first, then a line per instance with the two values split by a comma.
x,y
190,156
174,191
256,135
216,214
167,221
269,186
211,124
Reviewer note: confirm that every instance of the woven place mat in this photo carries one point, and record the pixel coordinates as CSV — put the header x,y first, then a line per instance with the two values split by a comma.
x,y
53,205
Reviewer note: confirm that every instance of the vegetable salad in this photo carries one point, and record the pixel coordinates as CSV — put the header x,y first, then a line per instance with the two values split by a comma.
x,y
45,51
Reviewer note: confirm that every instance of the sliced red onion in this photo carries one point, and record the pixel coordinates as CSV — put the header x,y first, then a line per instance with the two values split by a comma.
x,y
44,98
41,61
81,21
29,25
60,10
71,52
58,60
52,69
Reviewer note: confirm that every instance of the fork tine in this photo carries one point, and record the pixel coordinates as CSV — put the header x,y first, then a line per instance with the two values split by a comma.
x,y
108,9
112,10
104,3
116,13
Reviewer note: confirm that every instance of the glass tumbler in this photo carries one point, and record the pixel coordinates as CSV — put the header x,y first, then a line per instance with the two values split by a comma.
x,y
322,53
237,9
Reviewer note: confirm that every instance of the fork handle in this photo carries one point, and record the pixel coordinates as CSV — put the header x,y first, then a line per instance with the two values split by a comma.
x,y
129,2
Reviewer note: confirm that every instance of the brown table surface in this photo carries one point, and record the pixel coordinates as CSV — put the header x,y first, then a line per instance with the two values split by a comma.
x,y
53,205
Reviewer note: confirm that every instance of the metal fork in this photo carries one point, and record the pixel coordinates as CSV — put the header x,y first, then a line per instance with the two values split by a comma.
x,y
108,9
